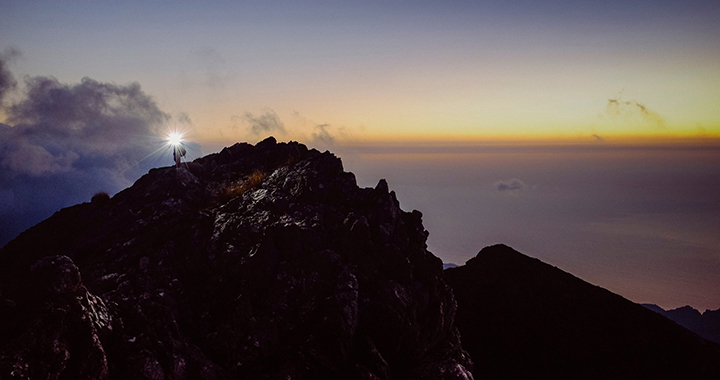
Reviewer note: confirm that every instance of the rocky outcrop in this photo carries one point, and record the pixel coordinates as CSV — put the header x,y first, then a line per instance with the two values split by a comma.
x,y
62,332
258,262
521,318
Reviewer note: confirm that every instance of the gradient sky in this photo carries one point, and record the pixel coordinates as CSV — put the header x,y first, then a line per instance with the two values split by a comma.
x,y
380,70
642,221
584,133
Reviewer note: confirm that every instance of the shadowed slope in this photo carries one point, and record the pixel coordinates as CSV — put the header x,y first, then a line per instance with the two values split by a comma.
x,y
522,318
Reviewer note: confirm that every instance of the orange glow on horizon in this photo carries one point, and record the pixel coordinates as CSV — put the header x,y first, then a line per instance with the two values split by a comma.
x,y
448,141
624,139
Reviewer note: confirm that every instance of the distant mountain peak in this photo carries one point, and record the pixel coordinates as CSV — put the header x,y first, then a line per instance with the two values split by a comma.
x,y
522,318
707,324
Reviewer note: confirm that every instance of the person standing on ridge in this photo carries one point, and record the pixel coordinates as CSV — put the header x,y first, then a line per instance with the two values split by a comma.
x,y
179,152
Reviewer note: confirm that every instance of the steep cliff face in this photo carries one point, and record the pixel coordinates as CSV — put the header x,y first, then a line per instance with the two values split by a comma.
x,y
259,262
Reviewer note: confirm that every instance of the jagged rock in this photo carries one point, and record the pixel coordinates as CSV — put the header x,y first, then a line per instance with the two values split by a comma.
x,y
258,262
62,331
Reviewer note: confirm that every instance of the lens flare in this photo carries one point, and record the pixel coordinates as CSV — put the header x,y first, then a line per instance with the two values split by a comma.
x,y
175,139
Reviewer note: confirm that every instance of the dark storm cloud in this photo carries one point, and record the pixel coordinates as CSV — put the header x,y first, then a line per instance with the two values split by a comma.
x,y
322,135
269,122
7,80
511,185
619,107
66,142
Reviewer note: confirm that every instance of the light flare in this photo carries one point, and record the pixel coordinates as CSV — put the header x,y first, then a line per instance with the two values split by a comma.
x,y
174,139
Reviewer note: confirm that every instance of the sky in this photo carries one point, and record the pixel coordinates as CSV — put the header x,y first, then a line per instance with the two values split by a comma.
x,y
583,133
641,221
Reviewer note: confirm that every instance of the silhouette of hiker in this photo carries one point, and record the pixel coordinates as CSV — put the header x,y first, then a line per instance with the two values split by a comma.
x,y
178,153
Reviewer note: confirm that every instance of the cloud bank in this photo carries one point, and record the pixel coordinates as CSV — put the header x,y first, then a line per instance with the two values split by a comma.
x,y
62,143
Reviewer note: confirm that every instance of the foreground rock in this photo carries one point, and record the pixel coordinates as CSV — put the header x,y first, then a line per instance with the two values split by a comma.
x,y
259,262
521,318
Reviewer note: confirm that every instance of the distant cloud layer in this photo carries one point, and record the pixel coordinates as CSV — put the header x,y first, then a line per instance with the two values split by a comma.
x,y
62,143
511,185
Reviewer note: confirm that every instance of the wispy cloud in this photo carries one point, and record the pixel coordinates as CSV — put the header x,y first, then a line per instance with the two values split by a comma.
x,y
7,80
268,122
630,108
322,135
214,66
511,185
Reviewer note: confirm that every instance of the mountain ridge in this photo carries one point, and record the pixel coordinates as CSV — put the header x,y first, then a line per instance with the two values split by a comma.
x,y
705,324
259,262
520,317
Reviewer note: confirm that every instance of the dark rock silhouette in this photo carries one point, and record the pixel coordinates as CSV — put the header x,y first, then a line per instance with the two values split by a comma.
x,y
521,318
268,262
102,198
707,324
258,262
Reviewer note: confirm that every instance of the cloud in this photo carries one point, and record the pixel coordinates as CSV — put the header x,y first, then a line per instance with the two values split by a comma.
x,y
183,118
598,138
269,122
7,80
630,108
59,124
511,185
61,143
214,65
322,135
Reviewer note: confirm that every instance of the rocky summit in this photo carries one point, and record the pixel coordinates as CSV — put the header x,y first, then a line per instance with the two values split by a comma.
x,y
258,262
